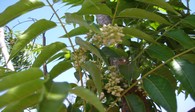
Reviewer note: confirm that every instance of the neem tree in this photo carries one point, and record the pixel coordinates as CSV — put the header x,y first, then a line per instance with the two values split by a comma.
x,y
135,55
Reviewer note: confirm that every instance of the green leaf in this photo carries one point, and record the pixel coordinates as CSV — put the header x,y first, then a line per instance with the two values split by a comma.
x,y
89,47
77,31
59,68
78,19
113,52
160,3
47,52
139,34
190,20
20,105
53,100
89,97
167,74
142,14
90,7
95,73
184,72
135,103
20,92
126,71
181,37
109,52
160,52
32,32
73,2
55,1
129,71
18,9
189,57
20,78
161,91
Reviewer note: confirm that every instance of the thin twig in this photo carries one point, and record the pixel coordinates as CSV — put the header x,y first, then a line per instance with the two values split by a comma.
x,y
114,16
188,6
21,23
66,32
44,44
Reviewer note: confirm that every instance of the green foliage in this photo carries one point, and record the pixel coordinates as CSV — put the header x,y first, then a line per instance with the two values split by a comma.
x,y
142,14
54,97
77,31
90,7
183,71
89,97
32,32
139,34
47,52
89,47
22,77
13,11
59,68
142,58
160,91
160,52
95,74
135,103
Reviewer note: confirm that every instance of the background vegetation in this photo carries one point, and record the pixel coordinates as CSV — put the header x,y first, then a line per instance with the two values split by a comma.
x,y
129,56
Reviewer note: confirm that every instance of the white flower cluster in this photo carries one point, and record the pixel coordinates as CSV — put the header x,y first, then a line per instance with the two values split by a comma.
x,y
114,79
110,35
79,57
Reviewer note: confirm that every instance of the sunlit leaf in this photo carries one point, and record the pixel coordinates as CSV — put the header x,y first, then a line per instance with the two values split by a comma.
x,y
77,31
20,92
135,103
160,3
91,7
95,73
59,68
47,52
20,105
160,52
53,100
181,37
89,97
20,78
161,91
138,34
184,72
18,9
32,32
142,14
